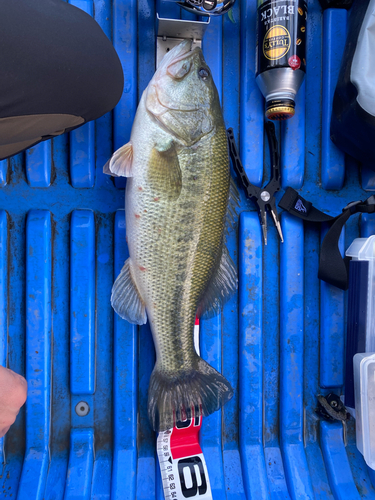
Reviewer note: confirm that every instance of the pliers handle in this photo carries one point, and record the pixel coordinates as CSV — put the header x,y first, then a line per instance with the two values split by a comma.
x,y
262,197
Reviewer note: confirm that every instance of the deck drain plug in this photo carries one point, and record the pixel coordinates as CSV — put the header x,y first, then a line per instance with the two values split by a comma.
x,y
82,409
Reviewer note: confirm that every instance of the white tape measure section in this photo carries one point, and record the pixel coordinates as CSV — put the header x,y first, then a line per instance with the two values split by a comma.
x,y
196,338
185,477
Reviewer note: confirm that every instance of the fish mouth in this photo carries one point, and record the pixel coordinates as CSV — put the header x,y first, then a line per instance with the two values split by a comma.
x,y
155,103
184,55
176,54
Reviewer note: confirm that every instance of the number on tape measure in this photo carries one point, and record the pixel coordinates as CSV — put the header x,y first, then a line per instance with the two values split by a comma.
x,y
182,464
198,482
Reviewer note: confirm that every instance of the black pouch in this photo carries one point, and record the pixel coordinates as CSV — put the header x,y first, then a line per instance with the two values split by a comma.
x,y
353,110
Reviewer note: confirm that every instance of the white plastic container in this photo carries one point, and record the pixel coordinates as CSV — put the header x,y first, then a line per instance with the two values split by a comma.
x,y
364,387
364,249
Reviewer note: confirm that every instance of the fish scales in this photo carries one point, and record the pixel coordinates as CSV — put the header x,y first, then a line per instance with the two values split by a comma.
x,y
178,257
176,202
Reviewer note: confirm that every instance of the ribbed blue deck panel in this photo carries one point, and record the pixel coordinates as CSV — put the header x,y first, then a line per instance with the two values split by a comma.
x,y
280,340
334,36
38,353
125,350
3,172
3,295
82,302
38,165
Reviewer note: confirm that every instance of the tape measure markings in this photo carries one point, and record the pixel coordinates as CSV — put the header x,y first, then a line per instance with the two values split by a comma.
x,y
185,475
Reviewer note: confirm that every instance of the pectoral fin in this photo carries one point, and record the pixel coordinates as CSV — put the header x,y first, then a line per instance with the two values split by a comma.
x,y
126,299
121,163
165,172
222,285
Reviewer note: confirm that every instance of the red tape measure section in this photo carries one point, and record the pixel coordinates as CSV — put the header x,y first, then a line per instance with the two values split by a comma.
x,y
184,438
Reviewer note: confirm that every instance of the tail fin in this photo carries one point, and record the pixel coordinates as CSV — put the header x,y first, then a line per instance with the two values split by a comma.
x,y
200,387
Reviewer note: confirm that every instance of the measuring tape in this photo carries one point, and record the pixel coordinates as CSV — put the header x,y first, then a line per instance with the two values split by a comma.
x,y
182,464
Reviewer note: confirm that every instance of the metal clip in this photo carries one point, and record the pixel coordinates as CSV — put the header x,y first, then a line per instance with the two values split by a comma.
x,y
171,32
371,201
351,205
331,408
207,7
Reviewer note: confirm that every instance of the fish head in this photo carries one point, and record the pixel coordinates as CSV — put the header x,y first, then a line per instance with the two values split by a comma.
x,y
182,95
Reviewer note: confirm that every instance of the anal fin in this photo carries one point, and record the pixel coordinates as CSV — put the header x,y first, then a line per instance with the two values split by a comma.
x,y
126,299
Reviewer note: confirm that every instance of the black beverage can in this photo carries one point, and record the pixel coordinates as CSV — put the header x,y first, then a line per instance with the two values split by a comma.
x,y
281,54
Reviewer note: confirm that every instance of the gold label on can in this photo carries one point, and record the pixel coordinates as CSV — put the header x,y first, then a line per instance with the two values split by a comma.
x,y
281,35
276,42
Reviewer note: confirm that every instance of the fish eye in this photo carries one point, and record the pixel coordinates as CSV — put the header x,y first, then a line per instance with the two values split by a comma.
x,y
203,73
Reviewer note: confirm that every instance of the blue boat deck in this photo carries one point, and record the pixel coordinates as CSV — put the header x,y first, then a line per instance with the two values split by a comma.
x,y
280,341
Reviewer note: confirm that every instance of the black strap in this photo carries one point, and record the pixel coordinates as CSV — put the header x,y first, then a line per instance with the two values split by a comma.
x,y
332,267
293,203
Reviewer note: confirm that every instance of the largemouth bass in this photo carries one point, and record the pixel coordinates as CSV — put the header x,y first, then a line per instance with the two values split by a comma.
x,y
176,202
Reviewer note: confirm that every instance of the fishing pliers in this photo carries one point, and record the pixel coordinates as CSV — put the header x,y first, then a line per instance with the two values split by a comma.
x,y
262,197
